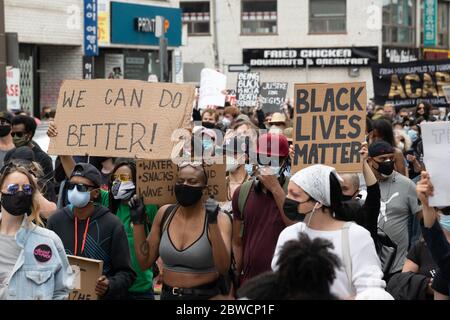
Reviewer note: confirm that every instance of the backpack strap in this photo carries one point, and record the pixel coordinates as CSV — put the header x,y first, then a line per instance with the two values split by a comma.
x,y
244,191
346,256
170,211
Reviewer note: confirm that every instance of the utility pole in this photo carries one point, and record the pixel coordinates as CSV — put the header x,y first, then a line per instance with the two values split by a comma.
x,y
215,35
160,32
2,57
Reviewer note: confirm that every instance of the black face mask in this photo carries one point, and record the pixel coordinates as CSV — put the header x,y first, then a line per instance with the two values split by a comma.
x,y
5,130
208,125
346,198
17,204
188,195
385,168
290,209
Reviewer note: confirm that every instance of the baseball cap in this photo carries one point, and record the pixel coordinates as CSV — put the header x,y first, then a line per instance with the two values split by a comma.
x,y
88,171
266,141
7,116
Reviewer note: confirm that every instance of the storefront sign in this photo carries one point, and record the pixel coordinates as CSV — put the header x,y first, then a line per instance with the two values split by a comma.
x,y
90,28
314,57
407,84
400,55
13,88
436,54
103,22
88,68
430,13
135,24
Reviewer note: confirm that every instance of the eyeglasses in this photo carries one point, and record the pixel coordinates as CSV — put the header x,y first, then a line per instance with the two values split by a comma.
x,y
121,177
13,188
80,187
18,134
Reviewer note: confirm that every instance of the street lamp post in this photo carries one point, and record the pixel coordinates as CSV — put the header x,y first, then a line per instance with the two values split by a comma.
x,y
2,57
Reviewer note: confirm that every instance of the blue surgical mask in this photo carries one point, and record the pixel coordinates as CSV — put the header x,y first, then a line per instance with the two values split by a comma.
x,y
208,144
79,199
249,169
445,222
413,135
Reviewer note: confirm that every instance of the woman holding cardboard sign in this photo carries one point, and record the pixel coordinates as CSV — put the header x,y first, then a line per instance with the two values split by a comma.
x,y
33,264
192,237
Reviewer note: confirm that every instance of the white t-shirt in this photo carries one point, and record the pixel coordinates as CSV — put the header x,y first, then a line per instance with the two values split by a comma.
x,y
366,266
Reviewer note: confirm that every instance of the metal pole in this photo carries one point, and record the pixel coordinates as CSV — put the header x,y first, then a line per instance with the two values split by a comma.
x,y
215,35
161,58
2,57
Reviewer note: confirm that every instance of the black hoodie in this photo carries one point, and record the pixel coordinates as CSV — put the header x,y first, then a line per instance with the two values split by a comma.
x,y
106,240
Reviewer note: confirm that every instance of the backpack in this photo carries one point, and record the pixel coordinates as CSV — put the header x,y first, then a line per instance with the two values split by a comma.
x,y
244,191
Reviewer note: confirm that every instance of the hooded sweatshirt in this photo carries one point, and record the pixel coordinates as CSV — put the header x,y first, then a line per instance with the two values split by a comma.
x,y
105,240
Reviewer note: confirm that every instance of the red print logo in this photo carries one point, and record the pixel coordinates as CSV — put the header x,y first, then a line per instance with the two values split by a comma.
x,y
42,253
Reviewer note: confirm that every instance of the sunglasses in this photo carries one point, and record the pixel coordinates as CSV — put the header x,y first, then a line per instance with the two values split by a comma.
x,y
80,187
121,177
13,188
18,134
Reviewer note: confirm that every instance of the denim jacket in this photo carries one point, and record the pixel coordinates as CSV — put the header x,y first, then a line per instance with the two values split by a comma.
x,y
42,270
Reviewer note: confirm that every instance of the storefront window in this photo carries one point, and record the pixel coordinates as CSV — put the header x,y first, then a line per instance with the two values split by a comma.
x,y
197,17
259,17
399,22
327,16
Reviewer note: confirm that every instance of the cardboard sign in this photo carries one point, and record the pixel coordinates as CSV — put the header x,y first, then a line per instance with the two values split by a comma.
x,y
436,148
273,95
212,88
120,118
247,89
330,122
156,181
87,271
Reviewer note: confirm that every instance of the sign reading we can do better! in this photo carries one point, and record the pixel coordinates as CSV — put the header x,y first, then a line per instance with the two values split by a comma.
x,y
330,124
121,118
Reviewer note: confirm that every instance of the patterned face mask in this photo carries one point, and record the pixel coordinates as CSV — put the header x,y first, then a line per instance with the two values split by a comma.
x,y
123,190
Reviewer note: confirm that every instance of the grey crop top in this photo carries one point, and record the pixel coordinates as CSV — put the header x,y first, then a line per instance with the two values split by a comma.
x,y
197,258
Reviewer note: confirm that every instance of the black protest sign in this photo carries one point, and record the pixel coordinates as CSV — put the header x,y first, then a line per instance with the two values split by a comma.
x,y
405,85
330,121
156,181
273,95
247,89
120,118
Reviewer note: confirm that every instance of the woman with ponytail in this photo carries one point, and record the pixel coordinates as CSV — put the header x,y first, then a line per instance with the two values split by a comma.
x,y
315,196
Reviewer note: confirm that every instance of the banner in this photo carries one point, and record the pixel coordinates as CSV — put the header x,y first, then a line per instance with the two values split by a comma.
x,y
90,28
103,22
436,148
273,95
405,85
400,54
329,125
247,89
120,118
430,20
313,57
87,271
212,88
157,178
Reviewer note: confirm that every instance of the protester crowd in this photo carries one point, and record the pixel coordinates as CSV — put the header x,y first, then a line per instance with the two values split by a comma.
x,y
315,234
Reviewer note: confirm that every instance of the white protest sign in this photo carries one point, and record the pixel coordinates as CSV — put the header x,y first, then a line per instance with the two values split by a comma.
x,y
436,147
13,88
212,88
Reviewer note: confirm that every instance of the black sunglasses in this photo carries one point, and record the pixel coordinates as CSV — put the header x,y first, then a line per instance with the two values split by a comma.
x,y
18,134
80,187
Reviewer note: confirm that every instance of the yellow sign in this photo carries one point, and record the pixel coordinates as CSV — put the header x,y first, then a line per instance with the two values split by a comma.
x,y
103,22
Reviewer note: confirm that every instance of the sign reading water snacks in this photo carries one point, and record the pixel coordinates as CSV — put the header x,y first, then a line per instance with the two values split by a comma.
x,y
314,57
273,95
156,181
247,89
329,125
120,118
407,84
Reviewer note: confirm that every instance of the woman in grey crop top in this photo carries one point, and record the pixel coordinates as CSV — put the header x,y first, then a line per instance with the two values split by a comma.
x,y
192,238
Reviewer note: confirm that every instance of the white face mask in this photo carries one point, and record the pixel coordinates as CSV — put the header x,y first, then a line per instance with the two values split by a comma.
x,y
123,190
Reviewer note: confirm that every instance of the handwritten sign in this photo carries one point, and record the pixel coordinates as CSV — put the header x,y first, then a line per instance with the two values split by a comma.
x,y
87,271
273,95
247,89
156,181
329,125
436,148
212,88
120,118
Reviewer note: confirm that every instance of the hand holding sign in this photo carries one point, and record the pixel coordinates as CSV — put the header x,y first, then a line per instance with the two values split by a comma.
x,y
102,286
424,188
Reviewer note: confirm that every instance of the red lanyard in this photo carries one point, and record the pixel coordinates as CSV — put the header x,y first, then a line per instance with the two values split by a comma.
x,y
84,235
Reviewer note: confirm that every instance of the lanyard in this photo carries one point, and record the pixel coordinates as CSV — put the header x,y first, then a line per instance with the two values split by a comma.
x,y
84,235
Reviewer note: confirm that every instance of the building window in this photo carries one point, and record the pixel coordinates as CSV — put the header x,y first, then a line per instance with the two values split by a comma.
x,y
197,17
442,41
399,22
259,17
327,16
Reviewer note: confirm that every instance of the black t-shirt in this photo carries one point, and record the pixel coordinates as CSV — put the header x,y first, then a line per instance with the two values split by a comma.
x,y
420,255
